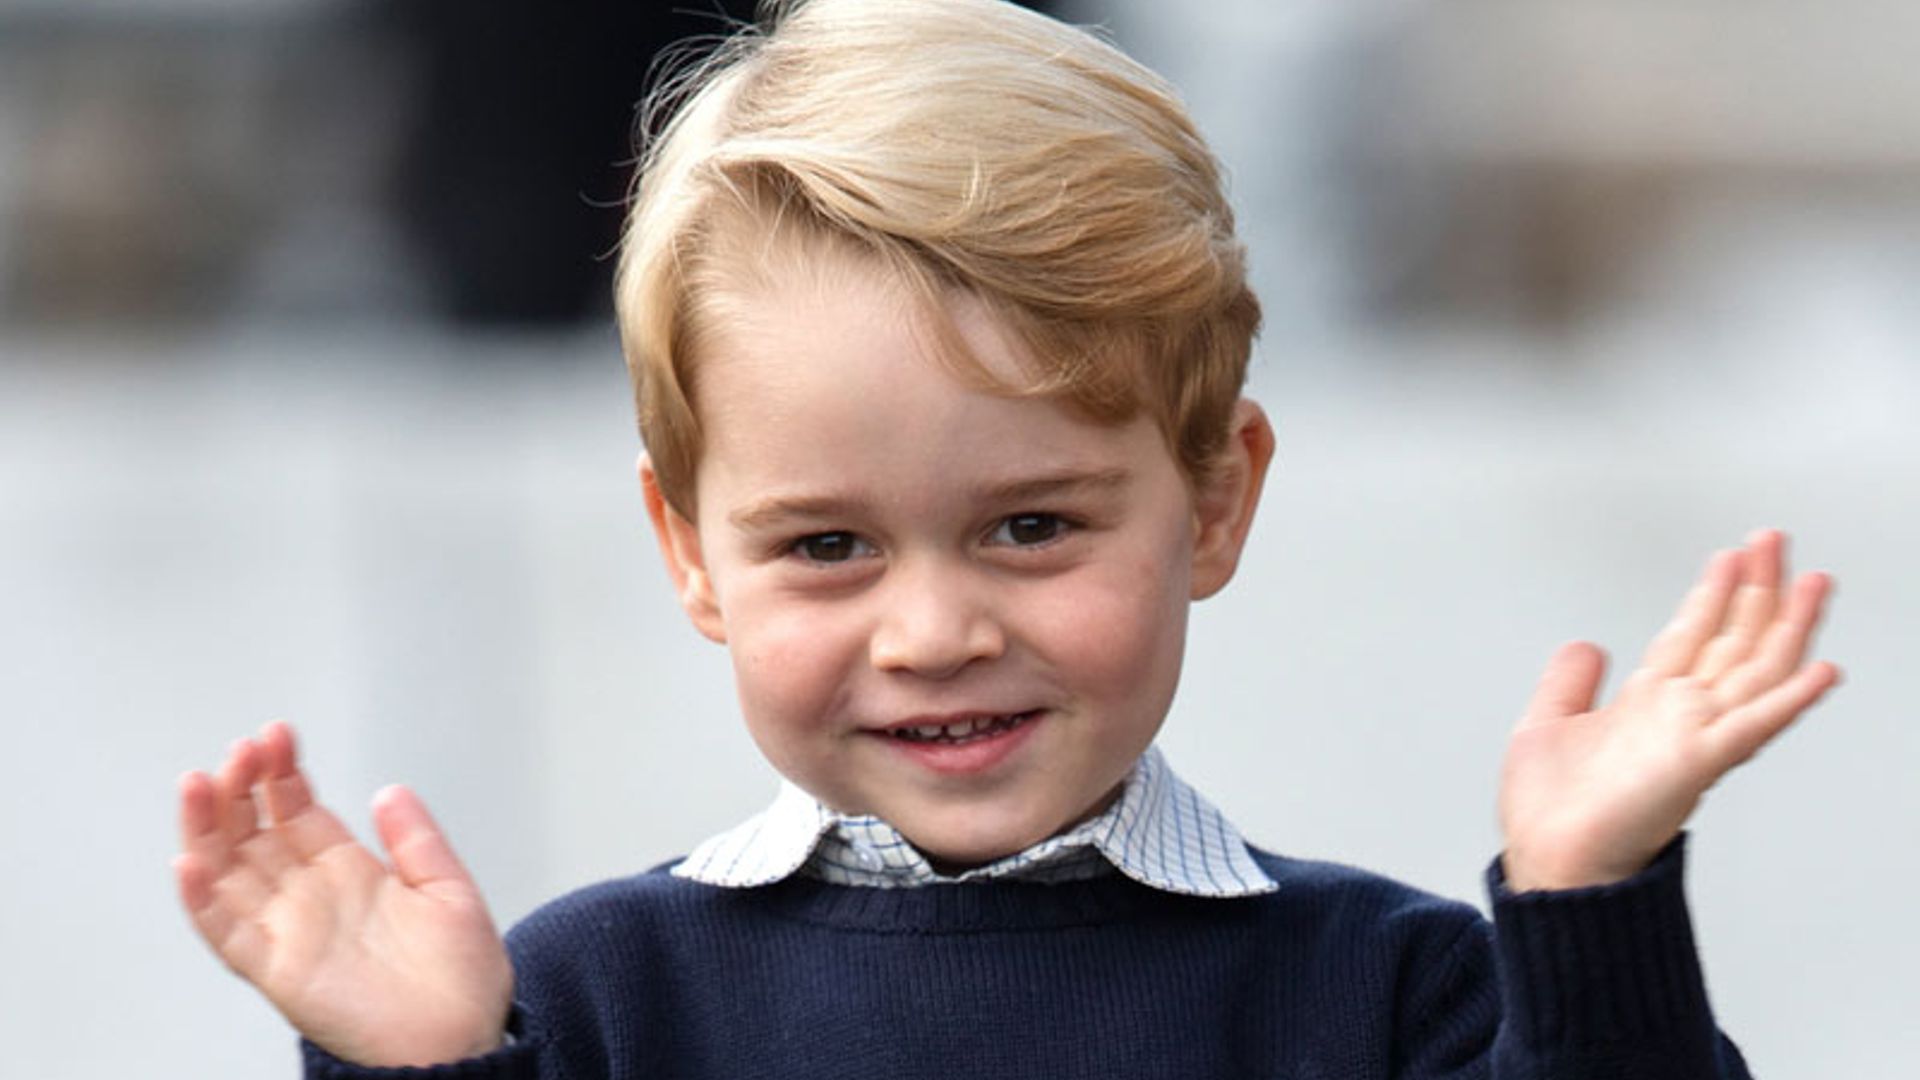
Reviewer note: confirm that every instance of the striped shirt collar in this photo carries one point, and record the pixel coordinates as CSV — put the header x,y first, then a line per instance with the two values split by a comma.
x,y
1160,832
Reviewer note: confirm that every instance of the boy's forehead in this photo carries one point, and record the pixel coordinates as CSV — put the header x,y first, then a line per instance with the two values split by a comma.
x,y
842,294
836,390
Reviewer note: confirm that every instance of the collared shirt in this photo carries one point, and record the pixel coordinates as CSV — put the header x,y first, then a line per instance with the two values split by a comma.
x,y
1159,832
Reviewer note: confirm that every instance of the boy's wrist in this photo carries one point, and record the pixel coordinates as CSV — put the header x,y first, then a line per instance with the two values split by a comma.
x,y
1511,874
1521,873
1571,862
502,1056
419,1055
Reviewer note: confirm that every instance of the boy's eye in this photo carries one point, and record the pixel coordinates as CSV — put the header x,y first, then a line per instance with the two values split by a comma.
x,y
1025,530
830,547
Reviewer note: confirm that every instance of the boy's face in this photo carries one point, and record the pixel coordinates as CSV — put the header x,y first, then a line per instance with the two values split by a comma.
x,y
960,612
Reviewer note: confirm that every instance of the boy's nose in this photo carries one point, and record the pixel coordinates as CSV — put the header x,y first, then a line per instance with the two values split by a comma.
x,y
934,623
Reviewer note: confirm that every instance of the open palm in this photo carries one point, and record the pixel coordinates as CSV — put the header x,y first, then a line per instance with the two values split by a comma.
x,y
378,964
1589,796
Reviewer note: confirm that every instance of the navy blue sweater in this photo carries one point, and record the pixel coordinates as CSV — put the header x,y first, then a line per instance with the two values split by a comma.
x,y
1338,975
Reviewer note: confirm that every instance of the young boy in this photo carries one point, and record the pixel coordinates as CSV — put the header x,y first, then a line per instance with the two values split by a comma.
x,y
938,326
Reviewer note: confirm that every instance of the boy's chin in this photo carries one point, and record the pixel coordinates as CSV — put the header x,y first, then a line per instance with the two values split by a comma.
x,y
954,852
986,838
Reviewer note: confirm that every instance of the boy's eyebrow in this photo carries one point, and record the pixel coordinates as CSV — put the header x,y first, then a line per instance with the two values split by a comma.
x,y
770,511
1054,485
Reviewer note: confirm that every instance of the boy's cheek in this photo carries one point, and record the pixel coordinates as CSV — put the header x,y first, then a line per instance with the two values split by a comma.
x,y
788,661
1116,629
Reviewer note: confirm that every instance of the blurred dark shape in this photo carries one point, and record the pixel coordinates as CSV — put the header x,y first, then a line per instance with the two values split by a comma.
x,y
174,163
518,159
514,173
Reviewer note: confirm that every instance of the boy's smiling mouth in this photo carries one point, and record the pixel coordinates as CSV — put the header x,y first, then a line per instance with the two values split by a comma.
x,y
959,731
960,743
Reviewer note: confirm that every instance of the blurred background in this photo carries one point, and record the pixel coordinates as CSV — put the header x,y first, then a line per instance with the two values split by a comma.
x,y
310,406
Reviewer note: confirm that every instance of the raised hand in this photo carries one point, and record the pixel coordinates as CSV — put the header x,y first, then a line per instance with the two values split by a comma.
x,y
378,964
1589,796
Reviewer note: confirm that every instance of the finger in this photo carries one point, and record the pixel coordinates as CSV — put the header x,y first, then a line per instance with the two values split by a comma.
x,y
307,828
1755,602
235,937
419,850
194,879
1674,648
233,784
1781,649
214,898
1569,683
201,832
209,823
1737,736
284,788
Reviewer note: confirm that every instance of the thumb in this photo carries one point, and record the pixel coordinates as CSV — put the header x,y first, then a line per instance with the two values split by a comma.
x,y
1568,685
419,850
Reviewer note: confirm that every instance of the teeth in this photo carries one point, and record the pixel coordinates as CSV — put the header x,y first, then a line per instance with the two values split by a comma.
x,y
957,731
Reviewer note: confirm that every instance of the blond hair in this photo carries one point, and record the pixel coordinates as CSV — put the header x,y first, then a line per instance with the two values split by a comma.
x,y
969,145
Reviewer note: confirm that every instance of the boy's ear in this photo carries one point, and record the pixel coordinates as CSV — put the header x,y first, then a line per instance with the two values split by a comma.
x,y
686,563
1223,509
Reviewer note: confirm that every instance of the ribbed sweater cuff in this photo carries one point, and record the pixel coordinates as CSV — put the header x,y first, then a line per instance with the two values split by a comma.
x,y
1610,964
518,1061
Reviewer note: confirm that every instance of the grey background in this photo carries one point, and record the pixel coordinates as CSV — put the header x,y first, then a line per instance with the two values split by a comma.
x,y
424,545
